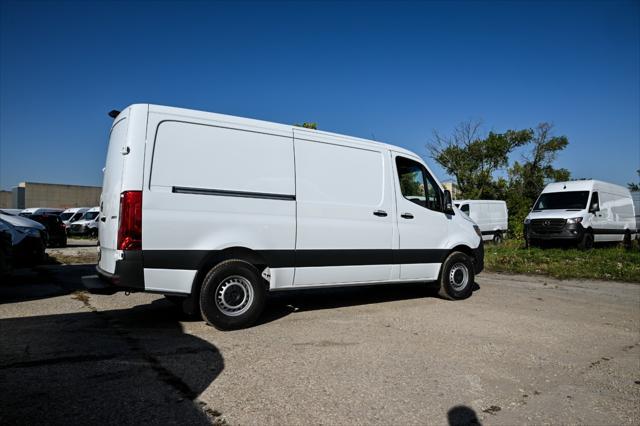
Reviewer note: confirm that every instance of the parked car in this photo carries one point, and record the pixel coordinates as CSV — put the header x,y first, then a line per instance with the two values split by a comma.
x,y
28,241
491,216
584,211
12,212
222,209
87,225
6,250
71,215
56,230
40,210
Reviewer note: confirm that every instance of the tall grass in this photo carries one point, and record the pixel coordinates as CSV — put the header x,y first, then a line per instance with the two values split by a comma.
x,y
603,263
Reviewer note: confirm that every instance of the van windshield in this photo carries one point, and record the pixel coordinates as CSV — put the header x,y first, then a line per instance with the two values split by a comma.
x,y
90,215
571,200
65,216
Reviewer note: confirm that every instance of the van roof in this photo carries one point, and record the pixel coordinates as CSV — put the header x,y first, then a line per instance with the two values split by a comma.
x,y
585,185
75,209
481,201
266,125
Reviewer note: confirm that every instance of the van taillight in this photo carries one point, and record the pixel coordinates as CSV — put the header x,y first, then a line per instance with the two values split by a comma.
x,y
130,229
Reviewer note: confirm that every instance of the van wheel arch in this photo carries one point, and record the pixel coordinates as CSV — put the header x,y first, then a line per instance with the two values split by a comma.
x,y
215,257
462,248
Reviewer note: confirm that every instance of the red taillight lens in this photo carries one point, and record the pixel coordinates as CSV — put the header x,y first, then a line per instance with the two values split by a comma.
x,y
130,229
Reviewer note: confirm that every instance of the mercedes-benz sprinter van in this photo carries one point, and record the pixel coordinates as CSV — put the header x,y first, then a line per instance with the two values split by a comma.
x,y
491,216
584,211
220,210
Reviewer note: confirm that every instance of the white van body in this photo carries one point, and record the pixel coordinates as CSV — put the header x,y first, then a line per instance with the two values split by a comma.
x,y
71,215
87,224
581,209
635,195
310,208
490,215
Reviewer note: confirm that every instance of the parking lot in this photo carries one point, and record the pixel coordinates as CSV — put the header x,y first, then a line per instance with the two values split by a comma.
x,y
520,350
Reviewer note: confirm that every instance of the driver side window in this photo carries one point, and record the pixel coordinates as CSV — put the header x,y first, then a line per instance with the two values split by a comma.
x,y
417,185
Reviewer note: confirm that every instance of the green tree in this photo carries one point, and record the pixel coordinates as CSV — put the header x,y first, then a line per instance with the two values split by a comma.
x,y
472,159
529,177
308,125
634,186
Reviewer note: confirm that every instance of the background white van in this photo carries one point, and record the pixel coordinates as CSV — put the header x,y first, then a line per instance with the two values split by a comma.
x,y
585,211
223,209
490,215
72,214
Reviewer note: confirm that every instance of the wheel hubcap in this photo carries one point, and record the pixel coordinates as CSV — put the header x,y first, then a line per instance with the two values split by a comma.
x,y
459,276
234,295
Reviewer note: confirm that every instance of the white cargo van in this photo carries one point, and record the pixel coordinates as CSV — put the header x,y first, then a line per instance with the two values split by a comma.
x,y
87,224
71,215
490,215
585,211
222,209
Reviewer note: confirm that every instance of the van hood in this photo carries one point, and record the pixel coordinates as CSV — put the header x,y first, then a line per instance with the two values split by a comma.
x,y
83,222
556,214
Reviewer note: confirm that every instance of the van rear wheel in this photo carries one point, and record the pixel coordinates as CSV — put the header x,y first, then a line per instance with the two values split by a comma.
x,y
497,237
456,277
233,295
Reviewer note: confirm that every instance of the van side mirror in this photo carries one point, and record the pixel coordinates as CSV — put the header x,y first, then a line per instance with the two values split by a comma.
x,y
594,208
448,204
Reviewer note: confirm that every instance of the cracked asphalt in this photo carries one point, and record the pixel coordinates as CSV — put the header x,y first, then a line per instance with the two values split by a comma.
x,y
520,350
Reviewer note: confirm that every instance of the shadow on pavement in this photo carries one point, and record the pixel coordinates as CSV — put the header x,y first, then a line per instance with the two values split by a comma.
x,y
283,303
118,367
43,282
461,415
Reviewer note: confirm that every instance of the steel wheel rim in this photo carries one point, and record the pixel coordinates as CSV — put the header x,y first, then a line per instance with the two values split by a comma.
x,y
459,276
234,295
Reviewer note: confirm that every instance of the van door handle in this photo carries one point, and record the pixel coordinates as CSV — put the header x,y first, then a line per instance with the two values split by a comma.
x,y
406,216
380,213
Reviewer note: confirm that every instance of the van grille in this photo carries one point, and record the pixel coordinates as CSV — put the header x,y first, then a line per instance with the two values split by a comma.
x,y
548,226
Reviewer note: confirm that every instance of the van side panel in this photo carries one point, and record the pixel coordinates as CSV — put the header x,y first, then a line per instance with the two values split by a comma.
x,y
213,186
339,190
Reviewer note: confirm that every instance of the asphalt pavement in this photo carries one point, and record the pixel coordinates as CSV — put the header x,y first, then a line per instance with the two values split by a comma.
x,y
520,350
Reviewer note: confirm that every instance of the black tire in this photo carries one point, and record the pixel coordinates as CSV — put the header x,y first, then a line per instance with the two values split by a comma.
x,y
456,277
497,237
627,242
245,302
586,241
93,233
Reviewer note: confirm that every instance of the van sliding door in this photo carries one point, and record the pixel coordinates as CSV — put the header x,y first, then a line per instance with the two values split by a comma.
x,y
344,212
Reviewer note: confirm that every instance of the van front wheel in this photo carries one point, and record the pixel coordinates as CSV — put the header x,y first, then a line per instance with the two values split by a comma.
x,y
456,277
232,296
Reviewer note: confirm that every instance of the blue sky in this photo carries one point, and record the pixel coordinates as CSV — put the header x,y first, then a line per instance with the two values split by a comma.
x,y
389,71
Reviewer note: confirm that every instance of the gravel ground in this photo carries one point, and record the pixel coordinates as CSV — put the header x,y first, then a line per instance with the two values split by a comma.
x,y
520,350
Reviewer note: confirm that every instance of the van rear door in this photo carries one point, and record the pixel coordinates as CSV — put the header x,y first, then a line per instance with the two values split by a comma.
x,y
110,198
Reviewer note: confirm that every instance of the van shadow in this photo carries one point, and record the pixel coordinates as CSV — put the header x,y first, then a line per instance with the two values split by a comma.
x,y
119,367
283,303
42,282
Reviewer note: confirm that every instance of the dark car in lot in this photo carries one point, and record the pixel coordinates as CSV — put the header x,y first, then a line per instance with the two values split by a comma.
x,y
6,250
27,241
56,229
